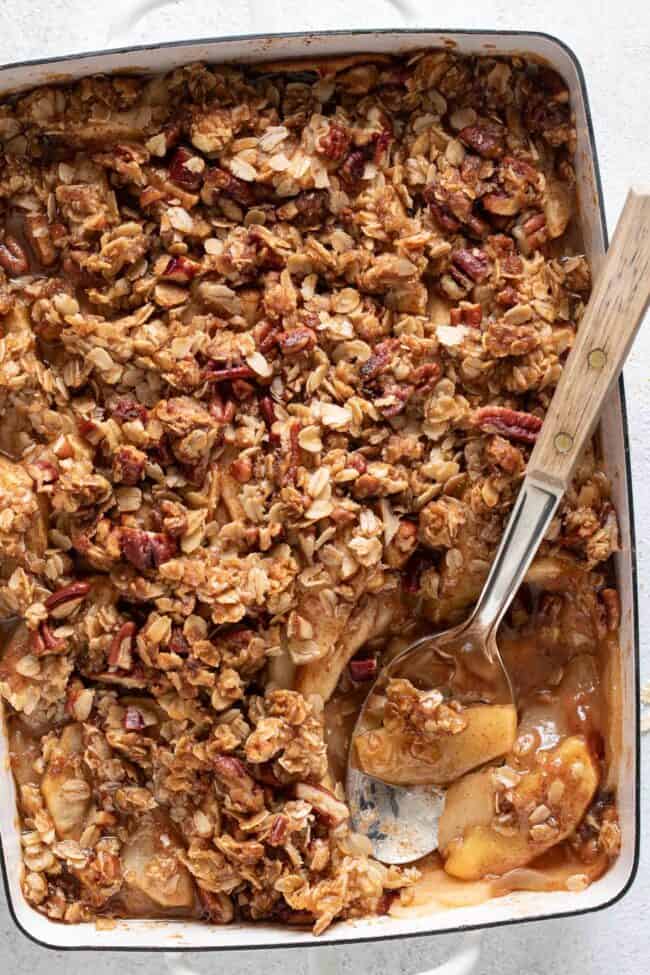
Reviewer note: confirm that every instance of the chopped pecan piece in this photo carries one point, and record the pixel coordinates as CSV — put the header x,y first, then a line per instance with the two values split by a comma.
x,y
39,234
311,208
487,138
50,641
219,181
186,169
352,169
503,249
508,296
294,455
242,470
216,908
243,792
548,117
133,719
509,423
43,641
365,486
378,361
296,341
506,339
386,901
474,263
505,455
121,649
45,472
425,377
231,372
334,143
476,227
13,257
324,803
222,412
466,314
68,596
398,397
128,465
267,334
125,408
279,831
517,170
363,669
267,408
449,209
181,269
88,428
177,643
531,235
382,141
358,462
146,550
242,390
443,217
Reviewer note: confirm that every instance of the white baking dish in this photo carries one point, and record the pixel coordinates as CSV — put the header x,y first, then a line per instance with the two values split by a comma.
x,y
172,935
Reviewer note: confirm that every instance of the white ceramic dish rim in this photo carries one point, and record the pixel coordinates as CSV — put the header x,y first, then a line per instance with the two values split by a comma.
x,y
183,935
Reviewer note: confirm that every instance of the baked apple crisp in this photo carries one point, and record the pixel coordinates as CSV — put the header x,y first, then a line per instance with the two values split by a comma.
x,y
275,344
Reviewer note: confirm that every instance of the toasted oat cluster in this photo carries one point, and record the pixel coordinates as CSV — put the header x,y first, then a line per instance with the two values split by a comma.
x,y
275,344
422,713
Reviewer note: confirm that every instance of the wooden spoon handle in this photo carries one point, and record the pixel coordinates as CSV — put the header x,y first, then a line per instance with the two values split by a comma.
x,y
606,331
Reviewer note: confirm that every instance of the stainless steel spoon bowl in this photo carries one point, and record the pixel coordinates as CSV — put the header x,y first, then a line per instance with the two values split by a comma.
x,y
401,821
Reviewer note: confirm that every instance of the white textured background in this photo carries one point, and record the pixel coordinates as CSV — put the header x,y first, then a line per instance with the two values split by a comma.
x,y
612,40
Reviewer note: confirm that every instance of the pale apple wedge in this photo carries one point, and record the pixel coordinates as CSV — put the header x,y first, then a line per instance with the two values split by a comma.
x,y
152,867
17,493
562,786
490,733
24,752
370,619
65,786
230,495
14,649
326,627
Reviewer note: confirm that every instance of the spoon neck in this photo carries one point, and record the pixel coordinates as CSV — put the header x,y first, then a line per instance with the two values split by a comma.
x,y
526,527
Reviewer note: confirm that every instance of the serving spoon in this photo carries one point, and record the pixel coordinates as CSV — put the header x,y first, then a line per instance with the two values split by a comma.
x,y
464,663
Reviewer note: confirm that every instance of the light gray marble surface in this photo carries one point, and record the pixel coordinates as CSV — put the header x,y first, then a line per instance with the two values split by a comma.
x,y
612,40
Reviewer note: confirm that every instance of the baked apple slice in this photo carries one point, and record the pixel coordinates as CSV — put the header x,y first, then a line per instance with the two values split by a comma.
x,y
407,759
369,619
28,539
496,820
152,867
65,785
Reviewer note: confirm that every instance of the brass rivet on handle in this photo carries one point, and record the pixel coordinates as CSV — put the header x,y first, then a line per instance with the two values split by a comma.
x,y
597,358
563,442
